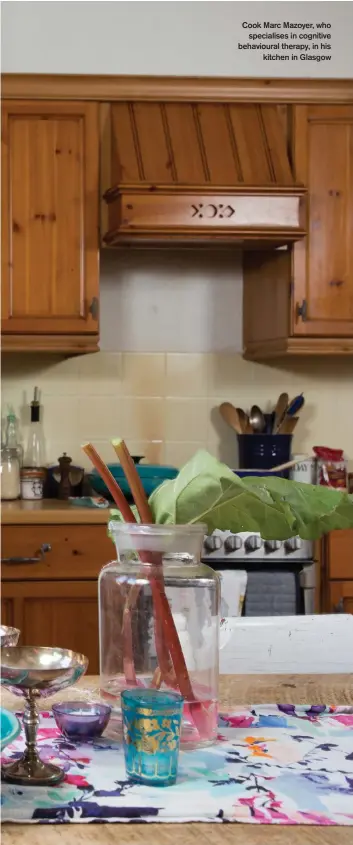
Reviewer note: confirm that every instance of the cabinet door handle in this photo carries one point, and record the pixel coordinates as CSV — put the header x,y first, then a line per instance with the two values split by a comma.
x,y
339,607
301,311
94,308
45,547
336,283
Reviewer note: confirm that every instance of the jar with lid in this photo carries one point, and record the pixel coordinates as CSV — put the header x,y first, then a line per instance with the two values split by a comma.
x,y
159,621
10,475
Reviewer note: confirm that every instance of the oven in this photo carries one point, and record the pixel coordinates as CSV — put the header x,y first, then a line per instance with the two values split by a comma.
x,y
262,577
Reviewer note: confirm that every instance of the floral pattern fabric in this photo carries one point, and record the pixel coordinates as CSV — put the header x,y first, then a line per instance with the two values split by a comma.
x,y
272,764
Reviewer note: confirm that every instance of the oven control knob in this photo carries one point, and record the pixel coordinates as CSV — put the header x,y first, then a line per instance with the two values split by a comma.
x,y
293,544
253,543
232,543
213,543
272,545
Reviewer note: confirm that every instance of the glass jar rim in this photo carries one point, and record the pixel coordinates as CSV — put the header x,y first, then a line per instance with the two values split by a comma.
x,y
164,529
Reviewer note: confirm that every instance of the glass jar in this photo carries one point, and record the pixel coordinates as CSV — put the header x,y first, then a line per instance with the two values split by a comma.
x,y
10,475
159,621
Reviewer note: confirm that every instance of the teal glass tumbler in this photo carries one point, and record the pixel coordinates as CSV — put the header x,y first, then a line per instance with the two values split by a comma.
x,y
151,731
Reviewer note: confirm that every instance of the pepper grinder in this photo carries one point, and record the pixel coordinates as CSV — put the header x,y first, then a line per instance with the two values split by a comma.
x,y
64,484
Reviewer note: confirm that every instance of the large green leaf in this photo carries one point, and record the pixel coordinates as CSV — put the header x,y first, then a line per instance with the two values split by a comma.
x,y
208,491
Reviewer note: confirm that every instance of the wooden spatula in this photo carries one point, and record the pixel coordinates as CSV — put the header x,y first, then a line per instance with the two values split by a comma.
x,y
231,416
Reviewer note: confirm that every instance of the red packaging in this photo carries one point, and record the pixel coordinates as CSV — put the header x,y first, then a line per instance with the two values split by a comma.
x,y
331,467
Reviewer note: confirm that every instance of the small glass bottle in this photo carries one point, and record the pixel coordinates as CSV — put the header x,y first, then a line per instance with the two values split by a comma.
x,y
11,437
156,601
10,475
35,452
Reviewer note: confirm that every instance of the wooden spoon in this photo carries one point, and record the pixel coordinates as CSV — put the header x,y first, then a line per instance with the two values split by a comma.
x,y
244,421
287,425
231,416
280,410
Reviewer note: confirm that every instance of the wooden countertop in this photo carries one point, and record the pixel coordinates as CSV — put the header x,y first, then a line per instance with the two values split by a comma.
x,y
51,512
234,689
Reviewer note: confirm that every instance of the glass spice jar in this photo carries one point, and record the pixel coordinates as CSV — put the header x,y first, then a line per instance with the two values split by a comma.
x,y
141,637
10,475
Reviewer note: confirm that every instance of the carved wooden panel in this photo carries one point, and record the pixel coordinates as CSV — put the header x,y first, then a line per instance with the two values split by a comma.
x,y
158,214
200,144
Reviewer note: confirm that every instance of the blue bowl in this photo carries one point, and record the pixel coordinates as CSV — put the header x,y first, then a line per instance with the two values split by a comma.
x,y
10,727
152,475
259,473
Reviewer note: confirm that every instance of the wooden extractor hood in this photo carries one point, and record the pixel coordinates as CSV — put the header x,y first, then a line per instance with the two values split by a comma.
x,y
201,174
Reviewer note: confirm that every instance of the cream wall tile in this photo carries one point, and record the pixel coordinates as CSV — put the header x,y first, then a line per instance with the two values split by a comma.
x,y
228,375
186,374
151,450
60,425
51,374
186,420
100,373
177,454
144,418
144,374
100,418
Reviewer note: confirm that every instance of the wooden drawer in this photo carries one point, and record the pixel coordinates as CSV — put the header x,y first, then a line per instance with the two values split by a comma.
x,y
341,596
340,554
77,551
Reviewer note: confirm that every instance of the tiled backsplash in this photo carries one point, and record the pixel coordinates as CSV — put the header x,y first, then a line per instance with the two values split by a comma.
x,y
171,338
165,404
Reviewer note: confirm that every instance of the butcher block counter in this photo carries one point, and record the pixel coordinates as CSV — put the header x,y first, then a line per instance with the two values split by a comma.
x,y
52,553
51,512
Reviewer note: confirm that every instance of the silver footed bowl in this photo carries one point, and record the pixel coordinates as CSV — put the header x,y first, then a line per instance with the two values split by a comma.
x,y
8,636
41,671
37,673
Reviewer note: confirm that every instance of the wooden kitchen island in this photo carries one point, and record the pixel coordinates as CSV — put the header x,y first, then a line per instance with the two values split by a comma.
x,y
239,689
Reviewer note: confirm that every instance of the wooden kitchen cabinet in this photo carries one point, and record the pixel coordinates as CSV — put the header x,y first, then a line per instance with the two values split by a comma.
x,y
301,300
50,239
337,556
341,597
339,546
52,595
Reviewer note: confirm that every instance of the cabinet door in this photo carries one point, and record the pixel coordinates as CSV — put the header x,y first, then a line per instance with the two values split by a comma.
x,y
57,613
323,264
341,596
339,546
50,200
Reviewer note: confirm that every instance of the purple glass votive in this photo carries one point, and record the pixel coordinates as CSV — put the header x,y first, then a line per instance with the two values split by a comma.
x,y
81,721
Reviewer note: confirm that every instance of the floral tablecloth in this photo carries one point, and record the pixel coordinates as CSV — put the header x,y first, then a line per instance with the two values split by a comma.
x,y
273,764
